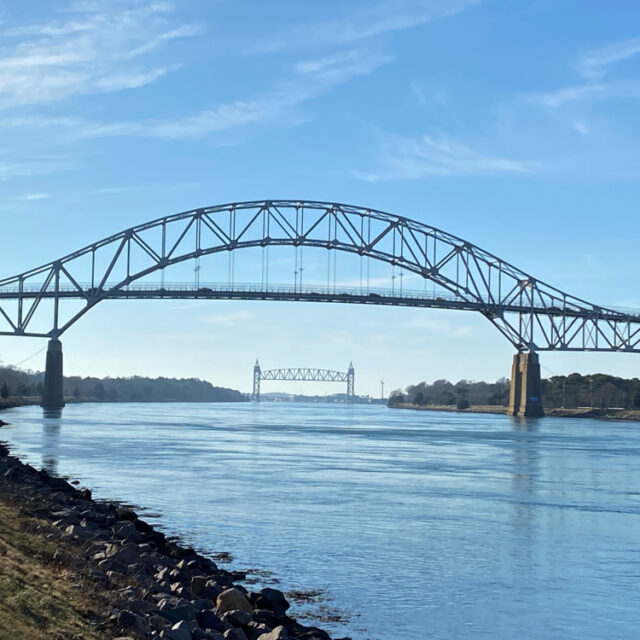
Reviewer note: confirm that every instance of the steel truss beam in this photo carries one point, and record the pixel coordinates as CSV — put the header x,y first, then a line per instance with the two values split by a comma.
x,y
532,315
316,375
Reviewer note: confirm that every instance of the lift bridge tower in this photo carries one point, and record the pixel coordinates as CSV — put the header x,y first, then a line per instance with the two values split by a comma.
x,y
313,375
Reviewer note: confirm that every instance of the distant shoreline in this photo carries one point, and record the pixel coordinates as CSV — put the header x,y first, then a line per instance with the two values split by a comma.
x,y
626,415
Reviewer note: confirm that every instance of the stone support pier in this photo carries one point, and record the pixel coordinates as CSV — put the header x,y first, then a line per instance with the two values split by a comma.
x,y
53,394
526,390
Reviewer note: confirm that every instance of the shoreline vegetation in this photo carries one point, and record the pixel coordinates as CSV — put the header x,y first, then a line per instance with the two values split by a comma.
x,y
582,412
574,396
73,568
25,387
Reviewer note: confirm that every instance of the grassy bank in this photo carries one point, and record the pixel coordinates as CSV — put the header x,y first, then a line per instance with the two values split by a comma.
x,y
43,593
72,568
601,414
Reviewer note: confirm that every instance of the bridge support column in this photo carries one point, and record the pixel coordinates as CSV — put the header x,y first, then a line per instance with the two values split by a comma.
x,y
351,383
257,375
53,394
526,390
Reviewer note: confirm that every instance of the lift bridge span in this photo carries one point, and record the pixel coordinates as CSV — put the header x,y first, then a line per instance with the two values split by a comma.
x,y
304,374
532,315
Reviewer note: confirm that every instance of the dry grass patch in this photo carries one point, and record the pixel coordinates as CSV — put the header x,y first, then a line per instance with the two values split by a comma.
x,y
41,597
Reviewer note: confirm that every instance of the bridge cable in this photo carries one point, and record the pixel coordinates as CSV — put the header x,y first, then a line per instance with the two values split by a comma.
x,y
17,364
300,268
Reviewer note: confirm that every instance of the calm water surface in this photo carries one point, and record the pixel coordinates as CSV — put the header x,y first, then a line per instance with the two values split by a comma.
x,y
412,524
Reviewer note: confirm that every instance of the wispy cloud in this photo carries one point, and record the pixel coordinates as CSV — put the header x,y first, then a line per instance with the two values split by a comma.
x,y
405,158
591,92
31,167
229,319
373,21
101,49
310,79
595,65
30,197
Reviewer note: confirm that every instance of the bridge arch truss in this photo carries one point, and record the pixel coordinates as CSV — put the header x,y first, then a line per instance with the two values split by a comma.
x,y
532,315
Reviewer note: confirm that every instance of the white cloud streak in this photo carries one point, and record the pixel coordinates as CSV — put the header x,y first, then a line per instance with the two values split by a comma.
x,y
593,67
229,319
595,64
311,79
100,50
374,21
405,158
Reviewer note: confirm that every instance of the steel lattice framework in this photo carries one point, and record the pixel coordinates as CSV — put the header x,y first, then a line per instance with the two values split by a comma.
x,y
315,375
532,315
309,375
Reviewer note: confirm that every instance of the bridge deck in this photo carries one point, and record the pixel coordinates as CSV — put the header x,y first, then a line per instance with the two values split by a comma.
x,y
306,293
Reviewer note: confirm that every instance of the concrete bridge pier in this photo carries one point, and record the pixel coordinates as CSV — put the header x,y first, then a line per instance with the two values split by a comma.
x,y
526,390
53,394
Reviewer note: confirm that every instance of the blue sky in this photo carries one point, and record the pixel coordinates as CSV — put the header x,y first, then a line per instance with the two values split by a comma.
x,y
511,124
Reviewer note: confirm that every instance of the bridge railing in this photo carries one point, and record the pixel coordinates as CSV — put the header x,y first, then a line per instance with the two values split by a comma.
x,y
114,288
159,289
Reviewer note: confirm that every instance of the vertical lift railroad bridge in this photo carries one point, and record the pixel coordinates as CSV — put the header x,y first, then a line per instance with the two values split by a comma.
x,y
314,375
46,301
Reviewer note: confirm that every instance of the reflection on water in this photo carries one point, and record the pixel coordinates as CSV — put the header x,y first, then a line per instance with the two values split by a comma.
x,y
525,458
52,413
466,526
50,443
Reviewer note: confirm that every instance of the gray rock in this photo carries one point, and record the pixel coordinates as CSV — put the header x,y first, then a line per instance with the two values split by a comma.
x,y
177,614
232,600
112,565
157,623
212,591
256,629
237,618
266,617
130,620
235,634
199,634
128,554
163,574
209,620
122,513
141,607
175,634
198,583
279,633
126,531
75,531
273,600
201,604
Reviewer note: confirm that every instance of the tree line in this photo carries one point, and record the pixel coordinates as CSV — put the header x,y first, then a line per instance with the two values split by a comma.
x,y
597,390
18,383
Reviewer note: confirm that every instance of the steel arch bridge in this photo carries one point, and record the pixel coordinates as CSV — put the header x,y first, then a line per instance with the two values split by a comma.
x,y
531,314
305,374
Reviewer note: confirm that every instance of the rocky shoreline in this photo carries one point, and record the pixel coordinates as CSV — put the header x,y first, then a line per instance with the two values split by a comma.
x,y
152,587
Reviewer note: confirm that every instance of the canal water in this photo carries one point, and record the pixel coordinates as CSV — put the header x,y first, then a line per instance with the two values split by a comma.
x,y
392,524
